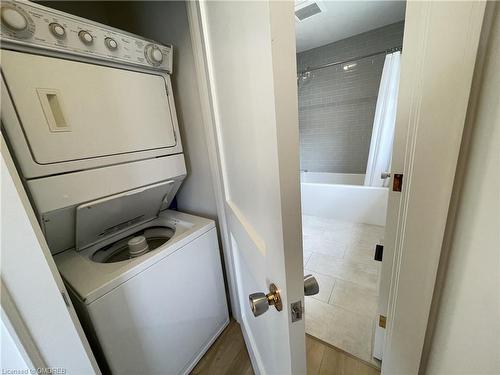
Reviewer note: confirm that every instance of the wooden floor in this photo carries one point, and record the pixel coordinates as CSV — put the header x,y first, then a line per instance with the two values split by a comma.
x,y
228,355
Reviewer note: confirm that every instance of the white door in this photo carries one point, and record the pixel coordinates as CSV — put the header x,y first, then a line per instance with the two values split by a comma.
x,y
249,50
35,303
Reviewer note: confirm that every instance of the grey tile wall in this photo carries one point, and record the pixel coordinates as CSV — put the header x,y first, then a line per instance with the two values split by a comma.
x,y
337,106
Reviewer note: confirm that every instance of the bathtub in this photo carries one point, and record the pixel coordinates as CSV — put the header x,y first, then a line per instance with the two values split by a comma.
x,y
342,196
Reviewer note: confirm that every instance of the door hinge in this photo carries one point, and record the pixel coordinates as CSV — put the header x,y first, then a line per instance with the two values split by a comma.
x,y
382,320
166,89
397,182
297,311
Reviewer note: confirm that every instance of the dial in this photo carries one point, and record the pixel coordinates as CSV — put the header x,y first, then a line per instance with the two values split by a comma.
x,y
57,30
157,55
86,37
14,19
111,43
153,54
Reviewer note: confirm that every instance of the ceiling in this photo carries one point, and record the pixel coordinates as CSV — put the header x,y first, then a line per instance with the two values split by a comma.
x,y
342,19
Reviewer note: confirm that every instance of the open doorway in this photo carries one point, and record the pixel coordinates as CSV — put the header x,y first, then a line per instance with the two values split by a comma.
x,y
347,75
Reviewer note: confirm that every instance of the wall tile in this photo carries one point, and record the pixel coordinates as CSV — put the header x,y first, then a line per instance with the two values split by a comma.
x,y
336,107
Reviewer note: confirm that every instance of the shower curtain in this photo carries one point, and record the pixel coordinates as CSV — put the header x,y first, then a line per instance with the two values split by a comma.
x,y
379,157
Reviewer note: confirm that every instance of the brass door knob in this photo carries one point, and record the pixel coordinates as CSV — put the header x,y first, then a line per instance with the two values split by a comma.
x,y
260,302
311,286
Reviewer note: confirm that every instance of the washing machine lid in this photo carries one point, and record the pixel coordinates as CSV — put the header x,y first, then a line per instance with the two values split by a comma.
x,y
79,111
92,280
107,217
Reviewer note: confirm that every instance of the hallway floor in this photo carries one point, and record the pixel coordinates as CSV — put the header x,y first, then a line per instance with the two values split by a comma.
x,y
340,255
228,356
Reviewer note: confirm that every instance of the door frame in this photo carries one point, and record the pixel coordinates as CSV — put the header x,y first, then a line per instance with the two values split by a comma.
x,y
441,42
405,335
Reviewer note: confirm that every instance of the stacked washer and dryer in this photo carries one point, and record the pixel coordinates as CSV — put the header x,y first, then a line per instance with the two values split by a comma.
x,y
88,114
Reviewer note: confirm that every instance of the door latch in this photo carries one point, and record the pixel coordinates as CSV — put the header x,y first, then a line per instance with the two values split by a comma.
x,y
311,287
297,311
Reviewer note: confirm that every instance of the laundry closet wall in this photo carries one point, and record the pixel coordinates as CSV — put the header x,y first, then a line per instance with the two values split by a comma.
x,y
165,22
466,336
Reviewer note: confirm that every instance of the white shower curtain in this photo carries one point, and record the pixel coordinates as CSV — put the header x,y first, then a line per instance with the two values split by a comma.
x,y
379,158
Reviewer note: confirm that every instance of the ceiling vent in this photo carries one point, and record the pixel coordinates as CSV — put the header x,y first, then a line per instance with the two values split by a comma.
x,y
306,9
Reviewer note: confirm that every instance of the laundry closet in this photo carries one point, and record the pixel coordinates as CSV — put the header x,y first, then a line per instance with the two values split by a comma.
x,y
100,112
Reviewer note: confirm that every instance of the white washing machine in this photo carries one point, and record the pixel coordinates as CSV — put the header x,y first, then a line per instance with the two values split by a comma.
x,y
88,113
156,313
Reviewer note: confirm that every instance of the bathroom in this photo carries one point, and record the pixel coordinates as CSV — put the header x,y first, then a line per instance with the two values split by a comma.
x,y
281,190
347,93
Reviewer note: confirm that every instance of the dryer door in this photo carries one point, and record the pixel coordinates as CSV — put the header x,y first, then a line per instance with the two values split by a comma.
x,y
74,111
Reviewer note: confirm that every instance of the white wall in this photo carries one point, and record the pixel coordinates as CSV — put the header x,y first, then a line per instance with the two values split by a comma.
x,y
467,330
167,22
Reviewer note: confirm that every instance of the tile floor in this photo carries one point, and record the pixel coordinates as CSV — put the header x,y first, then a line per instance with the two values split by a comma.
x,y
340,255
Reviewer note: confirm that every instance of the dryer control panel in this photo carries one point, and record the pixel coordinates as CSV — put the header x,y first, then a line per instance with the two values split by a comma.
x,y
33,26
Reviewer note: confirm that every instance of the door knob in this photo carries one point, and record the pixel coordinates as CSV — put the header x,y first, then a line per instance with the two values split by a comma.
x,y
311,286
385,175
260,302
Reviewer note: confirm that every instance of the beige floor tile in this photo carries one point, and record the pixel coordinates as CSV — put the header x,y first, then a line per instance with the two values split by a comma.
x,y
370,233
307,255
362,273
318,316
337,226
318,244
326,284
312,227
360,251
340,254
354,298
345,237
339,327
309,220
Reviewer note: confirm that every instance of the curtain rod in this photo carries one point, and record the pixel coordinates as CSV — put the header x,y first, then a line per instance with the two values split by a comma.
x,y
387,51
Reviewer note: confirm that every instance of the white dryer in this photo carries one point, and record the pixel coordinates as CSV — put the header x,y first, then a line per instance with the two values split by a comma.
x,y
88,113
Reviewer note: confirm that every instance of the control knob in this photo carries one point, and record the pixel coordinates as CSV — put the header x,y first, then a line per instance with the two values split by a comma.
x,y
153,54
57,30
86,37
111,43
